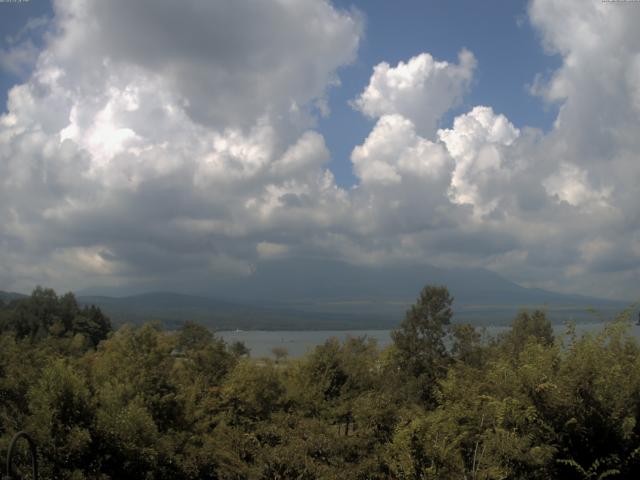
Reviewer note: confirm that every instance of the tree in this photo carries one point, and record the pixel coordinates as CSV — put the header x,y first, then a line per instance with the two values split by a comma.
x,y
280,353
419,342
528,327
61,418
238,349
45,315
467,345
194,336
252,392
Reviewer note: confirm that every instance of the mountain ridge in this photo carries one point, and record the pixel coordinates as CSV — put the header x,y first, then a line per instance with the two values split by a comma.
x,y
328,294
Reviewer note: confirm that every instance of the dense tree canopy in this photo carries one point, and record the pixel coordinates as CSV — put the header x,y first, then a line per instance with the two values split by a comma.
x,y
44,314
442,402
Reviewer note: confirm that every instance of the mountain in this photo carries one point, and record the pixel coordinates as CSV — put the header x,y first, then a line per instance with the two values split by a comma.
x,y
8,296
337,286
325,294
173,309
301,281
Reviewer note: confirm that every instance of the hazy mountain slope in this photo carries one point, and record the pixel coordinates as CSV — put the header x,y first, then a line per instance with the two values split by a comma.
x,y
173,309
301,281
8,296
322,294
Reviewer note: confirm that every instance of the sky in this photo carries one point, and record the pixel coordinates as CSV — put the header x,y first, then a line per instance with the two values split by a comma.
x,y
163,144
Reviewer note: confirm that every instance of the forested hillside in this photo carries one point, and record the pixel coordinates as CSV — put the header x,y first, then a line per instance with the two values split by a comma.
x,y
442,402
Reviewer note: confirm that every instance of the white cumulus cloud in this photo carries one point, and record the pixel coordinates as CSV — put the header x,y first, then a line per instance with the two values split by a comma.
x,y
157,141
422,89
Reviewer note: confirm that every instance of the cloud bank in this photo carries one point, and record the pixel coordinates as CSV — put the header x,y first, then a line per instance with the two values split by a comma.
x,y
162,144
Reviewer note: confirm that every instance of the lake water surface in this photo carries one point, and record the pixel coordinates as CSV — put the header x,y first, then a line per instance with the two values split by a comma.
x,y
299,342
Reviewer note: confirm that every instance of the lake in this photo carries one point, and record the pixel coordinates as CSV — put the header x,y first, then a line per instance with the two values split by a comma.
x,y
299,342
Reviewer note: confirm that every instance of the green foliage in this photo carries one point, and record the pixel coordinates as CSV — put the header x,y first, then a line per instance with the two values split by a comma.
x,y
280,353
150,404
467,345
238,349
44,315
252,392
193,336
419,342
60,418
528,327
